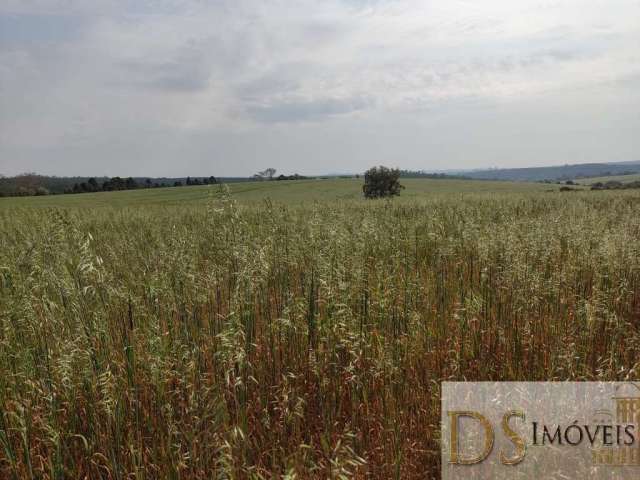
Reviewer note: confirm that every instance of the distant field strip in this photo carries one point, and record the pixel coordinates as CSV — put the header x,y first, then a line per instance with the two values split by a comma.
x,y
294,191
617,178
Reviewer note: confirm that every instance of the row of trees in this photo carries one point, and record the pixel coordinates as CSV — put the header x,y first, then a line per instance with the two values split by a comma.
x,y
615,185
118,183
432,176
295,176
92,185
270,174
29,184
378,182
26,184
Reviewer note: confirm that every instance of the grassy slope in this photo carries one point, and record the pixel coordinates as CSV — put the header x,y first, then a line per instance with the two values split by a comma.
x,y
617,178
283,191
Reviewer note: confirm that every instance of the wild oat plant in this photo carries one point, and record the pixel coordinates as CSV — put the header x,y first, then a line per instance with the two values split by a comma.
x,y
296,342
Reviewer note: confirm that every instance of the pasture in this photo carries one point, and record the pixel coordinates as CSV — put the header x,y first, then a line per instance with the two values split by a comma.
x,y
288,191
184,334
617,178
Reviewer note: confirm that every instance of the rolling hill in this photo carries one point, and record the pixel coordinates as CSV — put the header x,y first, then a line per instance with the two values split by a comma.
x,y
554,173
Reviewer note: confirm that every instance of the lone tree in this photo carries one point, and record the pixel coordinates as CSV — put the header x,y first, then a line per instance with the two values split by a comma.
x,y
381,182
265,174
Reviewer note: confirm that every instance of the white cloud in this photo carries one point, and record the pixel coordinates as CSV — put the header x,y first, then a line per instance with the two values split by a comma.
x,y
118,77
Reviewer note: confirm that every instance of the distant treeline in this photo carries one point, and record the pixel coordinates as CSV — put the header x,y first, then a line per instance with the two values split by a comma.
x,y
615,185
28,184
436,176
117,183
295,176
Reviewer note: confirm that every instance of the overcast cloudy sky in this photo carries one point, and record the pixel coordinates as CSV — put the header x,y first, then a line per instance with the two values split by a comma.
x,y
229,87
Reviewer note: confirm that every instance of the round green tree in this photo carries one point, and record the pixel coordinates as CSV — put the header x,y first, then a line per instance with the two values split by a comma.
x,y
381,182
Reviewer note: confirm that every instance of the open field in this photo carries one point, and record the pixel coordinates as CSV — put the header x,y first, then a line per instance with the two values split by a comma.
x,y
301,338
617,178
293,191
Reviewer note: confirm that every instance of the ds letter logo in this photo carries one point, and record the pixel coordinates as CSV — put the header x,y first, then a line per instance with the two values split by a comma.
x,y
457,457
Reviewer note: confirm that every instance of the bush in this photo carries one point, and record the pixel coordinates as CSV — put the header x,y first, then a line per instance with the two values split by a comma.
x,y
381,182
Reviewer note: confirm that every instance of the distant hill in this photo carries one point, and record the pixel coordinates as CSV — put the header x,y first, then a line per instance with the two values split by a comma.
x,y
563,172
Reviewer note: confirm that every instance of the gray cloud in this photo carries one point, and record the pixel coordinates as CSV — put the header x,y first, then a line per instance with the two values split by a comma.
x,y
31,30
187,71
306,110
284,79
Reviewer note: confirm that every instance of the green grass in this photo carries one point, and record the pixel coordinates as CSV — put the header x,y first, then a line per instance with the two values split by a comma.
x,y
295,338
617,178
291,192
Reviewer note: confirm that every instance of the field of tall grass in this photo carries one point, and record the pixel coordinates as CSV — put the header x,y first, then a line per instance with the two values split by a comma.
x,y
223,340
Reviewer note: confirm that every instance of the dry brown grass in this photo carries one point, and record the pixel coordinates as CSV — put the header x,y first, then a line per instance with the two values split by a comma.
x,y
295,342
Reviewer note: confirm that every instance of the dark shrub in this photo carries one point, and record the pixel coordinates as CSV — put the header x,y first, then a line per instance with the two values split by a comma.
x,y
381,182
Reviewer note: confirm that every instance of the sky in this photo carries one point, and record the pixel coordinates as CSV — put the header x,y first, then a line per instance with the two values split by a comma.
x,y
231,87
